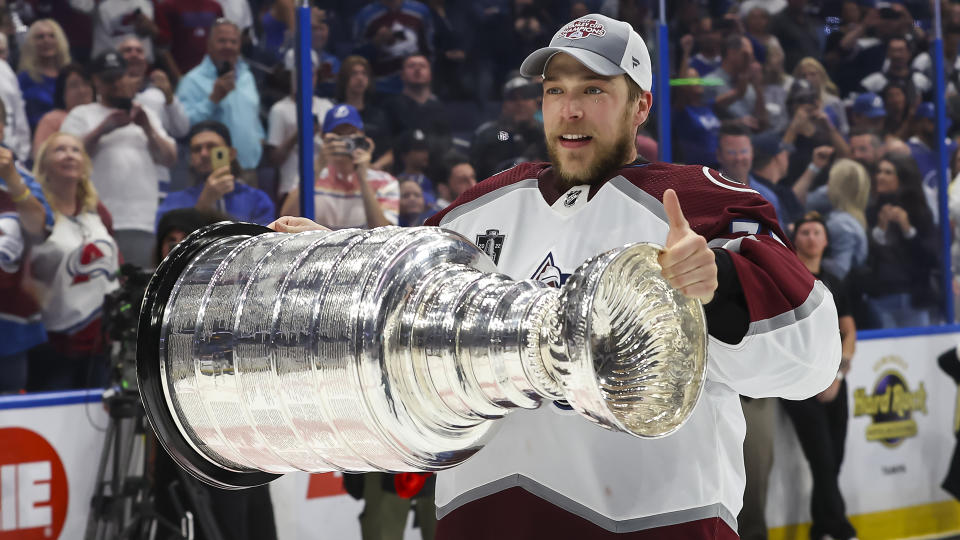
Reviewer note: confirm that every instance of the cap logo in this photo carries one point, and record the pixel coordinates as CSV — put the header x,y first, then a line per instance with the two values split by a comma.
x,y
341,112
582,28
877,102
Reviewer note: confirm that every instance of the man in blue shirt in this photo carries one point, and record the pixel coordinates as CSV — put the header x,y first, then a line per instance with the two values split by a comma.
x,y
222,88
735,154
217,189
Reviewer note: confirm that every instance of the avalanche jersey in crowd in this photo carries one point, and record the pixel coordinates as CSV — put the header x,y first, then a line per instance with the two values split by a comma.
x,y
548,471
75,268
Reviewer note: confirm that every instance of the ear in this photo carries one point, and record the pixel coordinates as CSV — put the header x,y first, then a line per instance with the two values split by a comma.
x,y
233,154
643,107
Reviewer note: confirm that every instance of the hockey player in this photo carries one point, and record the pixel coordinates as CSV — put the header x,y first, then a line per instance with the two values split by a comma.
x,y
773,328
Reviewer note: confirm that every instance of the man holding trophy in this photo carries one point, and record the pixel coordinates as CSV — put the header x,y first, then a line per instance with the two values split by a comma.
x,y
546,473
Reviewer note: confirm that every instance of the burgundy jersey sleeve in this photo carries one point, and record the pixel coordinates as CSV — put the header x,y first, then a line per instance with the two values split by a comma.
x,y
788,349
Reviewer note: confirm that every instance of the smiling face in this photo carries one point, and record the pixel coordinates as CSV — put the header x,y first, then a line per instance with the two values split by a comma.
x,y
63,160
44,40
590,127
887,179
131,49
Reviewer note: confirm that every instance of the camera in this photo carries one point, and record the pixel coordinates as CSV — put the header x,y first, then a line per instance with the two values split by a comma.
x,y
352,143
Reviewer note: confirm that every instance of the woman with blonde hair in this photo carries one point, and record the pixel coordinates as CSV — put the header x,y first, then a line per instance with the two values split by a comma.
x,y
813,71
75,268
45,51
848,189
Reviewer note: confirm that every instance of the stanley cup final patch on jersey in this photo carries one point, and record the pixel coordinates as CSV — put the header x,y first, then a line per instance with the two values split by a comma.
x,y
491,243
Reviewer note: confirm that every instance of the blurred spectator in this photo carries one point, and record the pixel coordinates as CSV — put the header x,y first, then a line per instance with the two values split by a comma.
x,y
809,128
222,88
413,209
276,24
238,11
756,23
387,32
814,73
282,133
17,128
329,65
183,30
355,88
217,190
848,189
735,155
852,51
123,138
903,248
868,112
156,94
4,47
176,225
347,191
798,33
450,54
708,41
75,267
900,99
73,16
417,107
695,126
646,146
776,85
45,51
897,68
740,96
22,221
73,87
515,134
414,153
461,176
770,163
923,148
821,421
114,20
760,417
506,35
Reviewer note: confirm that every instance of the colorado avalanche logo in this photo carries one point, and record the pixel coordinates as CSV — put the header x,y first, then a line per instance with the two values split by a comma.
x,y
91,261
549,273
582,28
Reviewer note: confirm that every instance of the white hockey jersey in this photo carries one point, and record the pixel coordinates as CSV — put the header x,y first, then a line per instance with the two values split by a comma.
x,y
690,482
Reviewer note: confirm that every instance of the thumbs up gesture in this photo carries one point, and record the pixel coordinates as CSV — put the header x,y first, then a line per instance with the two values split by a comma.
x,y
686,262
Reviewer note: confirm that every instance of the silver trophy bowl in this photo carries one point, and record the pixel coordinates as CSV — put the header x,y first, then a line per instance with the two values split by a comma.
x,y
396,349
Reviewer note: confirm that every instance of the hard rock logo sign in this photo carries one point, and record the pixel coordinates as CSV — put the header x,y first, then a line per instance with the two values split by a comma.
x,y
891,404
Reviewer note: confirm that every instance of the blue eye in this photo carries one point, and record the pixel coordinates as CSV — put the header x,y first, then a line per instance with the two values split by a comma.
x,y
594,90
553,90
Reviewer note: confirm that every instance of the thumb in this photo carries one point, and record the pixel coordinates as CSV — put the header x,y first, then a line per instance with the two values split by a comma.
x,y
678,223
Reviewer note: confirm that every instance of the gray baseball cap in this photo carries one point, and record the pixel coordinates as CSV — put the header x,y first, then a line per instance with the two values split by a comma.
x,y
605,46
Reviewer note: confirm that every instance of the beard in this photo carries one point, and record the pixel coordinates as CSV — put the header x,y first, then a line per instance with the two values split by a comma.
x,y
608,158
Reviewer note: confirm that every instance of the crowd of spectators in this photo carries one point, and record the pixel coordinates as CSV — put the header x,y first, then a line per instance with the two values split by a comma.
x,y
116,112
416,101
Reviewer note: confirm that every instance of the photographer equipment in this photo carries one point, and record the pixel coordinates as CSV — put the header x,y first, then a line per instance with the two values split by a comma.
x,y
122,506
396,349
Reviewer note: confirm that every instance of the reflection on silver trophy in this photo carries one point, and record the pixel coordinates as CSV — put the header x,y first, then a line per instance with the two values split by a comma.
x,y
392,349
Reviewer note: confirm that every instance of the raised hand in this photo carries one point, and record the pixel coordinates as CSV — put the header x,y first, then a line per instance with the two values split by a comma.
x,y
290,224
687,263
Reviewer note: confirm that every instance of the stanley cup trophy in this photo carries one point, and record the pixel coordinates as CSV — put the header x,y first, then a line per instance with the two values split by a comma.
x,y
262,353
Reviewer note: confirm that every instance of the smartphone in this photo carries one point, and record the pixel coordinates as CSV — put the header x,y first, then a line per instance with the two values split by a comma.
x,y
220,157
224,68
122,103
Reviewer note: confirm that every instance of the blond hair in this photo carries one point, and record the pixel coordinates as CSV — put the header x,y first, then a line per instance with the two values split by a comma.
x,y
826,86
29,62
848,188
87,198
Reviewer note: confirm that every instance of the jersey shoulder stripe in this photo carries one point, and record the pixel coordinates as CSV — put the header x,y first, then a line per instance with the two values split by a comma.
x,y
493,187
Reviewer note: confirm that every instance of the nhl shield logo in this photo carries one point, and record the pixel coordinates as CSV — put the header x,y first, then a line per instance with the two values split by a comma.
x,y
582,28
571,198
491,243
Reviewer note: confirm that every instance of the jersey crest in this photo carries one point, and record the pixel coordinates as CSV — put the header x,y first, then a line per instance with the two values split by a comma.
x,y
90,261
491,243
549,273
